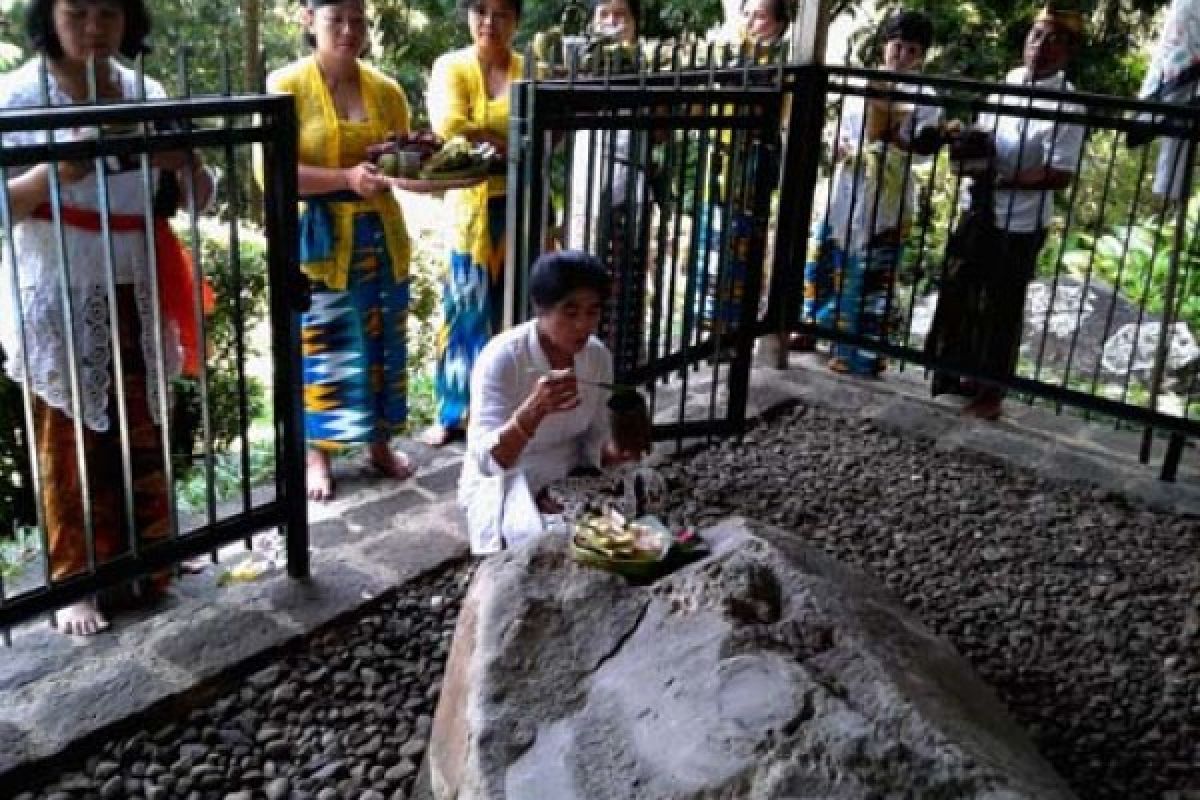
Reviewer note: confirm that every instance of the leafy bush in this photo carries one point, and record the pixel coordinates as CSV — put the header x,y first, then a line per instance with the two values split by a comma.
x,y
16,497
424,314
243,279
1137,260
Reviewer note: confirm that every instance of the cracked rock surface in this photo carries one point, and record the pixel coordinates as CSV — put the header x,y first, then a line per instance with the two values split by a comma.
x,y
767,670
1080,608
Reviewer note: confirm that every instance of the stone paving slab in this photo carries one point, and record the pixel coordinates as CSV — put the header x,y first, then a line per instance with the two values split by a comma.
x,y
57,692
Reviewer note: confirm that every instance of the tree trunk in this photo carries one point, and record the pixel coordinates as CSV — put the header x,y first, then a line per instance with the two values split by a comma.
x,y
252,62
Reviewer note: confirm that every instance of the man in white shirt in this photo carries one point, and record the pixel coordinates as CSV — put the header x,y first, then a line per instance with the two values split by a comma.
x,y
1034,158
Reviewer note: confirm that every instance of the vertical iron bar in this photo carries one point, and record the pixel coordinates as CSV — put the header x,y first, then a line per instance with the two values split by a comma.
x,y
114,338
235,264
73,368
206,424
279,198
1158,372
1098,232
156,317
517,215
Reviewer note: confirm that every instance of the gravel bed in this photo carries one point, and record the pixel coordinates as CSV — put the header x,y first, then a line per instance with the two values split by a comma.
x,y
346,717
1080,609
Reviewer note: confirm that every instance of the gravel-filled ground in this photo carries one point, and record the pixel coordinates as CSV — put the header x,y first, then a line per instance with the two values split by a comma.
x,y
346,717
1082,610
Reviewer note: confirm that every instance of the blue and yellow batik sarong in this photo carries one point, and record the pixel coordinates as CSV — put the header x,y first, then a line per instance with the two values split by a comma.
x,y
851,292
472,311
354,349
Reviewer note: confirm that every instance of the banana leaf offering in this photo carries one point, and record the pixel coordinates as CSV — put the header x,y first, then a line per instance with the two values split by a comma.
x,y
423,154
639,550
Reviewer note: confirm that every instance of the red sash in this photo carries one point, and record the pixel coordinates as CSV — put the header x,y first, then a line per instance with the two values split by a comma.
x,y
176,282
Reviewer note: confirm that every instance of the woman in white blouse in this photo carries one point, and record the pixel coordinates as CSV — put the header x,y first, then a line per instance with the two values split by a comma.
x,y
42,335
538,404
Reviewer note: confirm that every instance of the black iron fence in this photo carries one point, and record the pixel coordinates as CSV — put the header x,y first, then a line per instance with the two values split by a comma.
x,y
666,174
226,438
1110,299
669,172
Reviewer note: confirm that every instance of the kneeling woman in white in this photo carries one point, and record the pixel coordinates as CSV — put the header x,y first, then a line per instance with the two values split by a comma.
x,y
536,409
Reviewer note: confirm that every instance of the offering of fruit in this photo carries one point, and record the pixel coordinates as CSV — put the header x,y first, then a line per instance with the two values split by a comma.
x,y
403,154
424,155
611,537
456,155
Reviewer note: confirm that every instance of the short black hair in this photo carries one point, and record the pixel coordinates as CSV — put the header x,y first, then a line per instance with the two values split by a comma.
x,y
39,28
313,5
635,10
909,26
555,275
471,5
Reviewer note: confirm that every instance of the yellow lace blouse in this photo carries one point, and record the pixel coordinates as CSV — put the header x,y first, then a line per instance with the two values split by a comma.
x,y
327,141
459,106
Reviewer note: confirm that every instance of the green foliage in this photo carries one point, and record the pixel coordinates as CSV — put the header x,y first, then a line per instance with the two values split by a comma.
x,y
984,38
184,26
18,551
223,331
16,499
1137,260
424,312
192,486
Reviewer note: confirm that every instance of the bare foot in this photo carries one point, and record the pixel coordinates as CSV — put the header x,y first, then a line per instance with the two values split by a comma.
x,y
986,407
440,436
802,343
392,464
547,504
318,476
81,619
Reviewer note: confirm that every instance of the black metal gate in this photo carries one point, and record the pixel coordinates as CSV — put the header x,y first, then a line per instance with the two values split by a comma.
x,y
225,129
667,172
668,178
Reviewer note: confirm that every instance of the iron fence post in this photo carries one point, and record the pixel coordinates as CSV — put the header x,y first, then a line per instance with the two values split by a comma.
x,y
806,119
1163,350
288,296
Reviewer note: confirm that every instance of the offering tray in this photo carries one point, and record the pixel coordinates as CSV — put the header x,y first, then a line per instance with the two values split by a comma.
x,y
444,181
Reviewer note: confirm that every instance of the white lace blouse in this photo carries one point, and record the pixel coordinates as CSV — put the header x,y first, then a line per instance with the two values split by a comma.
x,y
37,278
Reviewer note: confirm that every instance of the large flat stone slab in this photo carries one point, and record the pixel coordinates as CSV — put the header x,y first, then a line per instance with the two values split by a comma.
x,y
767,670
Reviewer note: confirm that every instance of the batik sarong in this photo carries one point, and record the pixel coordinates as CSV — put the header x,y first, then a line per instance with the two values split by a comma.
x,y
720,287
63,487
354,349
852,293
472,311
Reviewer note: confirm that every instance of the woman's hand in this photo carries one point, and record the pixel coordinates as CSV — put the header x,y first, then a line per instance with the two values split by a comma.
x,y
72,171
366,180
612,455
553,393
487,137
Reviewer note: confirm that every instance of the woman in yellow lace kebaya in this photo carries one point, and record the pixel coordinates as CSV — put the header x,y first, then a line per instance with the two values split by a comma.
x,y
469,97
353,246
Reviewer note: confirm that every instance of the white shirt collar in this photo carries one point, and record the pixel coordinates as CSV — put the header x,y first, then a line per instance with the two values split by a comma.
x,y
1020,76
